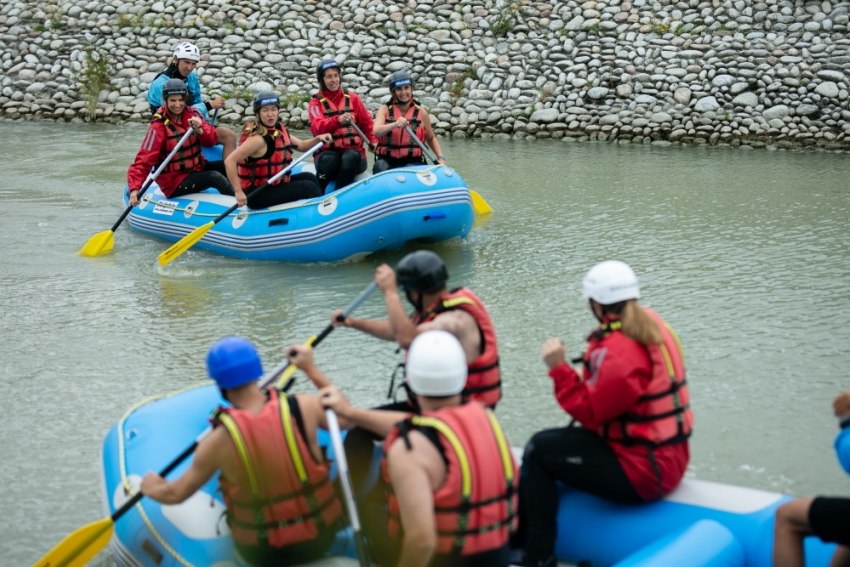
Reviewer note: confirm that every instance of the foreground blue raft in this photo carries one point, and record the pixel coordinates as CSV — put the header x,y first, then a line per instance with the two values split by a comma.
x,y
379,212
700,524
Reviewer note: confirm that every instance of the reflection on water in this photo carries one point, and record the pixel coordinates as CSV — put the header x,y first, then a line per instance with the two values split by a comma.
x,y
744,252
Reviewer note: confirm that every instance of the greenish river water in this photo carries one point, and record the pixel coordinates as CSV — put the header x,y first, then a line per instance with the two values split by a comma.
x,y
745,253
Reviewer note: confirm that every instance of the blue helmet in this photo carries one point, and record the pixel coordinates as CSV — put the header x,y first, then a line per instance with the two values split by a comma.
x,y
233,362
265,98
399,79
323,66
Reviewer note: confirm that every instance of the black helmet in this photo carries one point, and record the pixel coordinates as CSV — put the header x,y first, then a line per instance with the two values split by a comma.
x,y
265,98
323,66
399,79
422,271
174,87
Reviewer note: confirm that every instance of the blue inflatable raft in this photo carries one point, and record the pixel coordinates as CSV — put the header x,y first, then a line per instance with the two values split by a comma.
x,y
700,524
379,212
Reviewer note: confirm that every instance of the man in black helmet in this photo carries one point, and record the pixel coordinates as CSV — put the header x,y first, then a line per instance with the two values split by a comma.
x,y
422,275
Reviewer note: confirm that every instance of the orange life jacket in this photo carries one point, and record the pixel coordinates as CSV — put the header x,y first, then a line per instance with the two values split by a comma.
x,y
398,143
345,136
484,382
254,172
281,494
662,415
476,506
189,157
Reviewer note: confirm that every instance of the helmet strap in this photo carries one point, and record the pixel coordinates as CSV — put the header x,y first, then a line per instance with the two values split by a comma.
x,y
416,302
411,398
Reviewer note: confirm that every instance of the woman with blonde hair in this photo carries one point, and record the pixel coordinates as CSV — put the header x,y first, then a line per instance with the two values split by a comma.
x,y
631,402
265,148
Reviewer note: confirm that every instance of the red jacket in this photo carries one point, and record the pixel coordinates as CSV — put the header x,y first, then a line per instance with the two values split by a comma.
x,y
320,123
155,147
619,373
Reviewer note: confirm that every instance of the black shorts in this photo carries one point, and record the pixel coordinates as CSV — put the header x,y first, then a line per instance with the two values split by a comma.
x,y
829,519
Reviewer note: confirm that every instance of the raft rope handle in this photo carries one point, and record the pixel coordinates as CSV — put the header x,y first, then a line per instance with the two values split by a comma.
x,y
288,206
123,468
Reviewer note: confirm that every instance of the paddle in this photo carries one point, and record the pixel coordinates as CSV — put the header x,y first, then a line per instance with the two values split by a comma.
x,y
78,547
479,204
345,480
102,242
360,133
190,239
287,369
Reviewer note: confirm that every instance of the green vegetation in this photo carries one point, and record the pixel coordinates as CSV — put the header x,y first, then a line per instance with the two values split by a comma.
x,y
456,87
506,20
95,78
660,27
239,92
129,21
295,99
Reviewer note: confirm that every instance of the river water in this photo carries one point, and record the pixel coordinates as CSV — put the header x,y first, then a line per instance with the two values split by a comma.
x,y
745,252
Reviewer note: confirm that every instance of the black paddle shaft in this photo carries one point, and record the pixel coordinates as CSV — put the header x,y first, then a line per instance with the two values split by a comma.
x,y
163,473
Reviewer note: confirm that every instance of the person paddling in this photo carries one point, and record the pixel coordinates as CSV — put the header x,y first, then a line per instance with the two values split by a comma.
x,y
334,110
393,123
448,492
182,66
264,149
281,506
189,171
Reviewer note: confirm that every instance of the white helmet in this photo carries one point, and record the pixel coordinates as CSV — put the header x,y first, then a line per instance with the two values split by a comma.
x,y
610,282
187,50
436,364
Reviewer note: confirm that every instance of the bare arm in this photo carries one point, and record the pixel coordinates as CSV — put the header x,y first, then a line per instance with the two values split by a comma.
x,y
379,328
402,328
462,325
412,473
304,145
377,421
200,471
302,357
385,329
253,146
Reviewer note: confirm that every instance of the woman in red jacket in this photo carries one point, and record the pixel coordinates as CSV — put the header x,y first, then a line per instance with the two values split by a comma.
x,y
188,172
334,110
632,405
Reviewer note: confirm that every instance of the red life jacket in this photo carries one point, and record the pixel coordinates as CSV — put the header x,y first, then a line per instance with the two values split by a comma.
x,y
254,172
398,143
281,494
189,157
476,507
662,415
484,382
345,136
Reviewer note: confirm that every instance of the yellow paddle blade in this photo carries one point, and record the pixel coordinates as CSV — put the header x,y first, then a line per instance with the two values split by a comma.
x,y
479,205
184,244
100,243
78,547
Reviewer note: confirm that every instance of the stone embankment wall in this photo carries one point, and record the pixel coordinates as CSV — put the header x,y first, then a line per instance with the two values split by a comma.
x,y
764,72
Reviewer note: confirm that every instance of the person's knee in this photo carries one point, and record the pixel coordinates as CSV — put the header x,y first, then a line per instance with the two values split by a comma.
x,y
793,516
380,166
